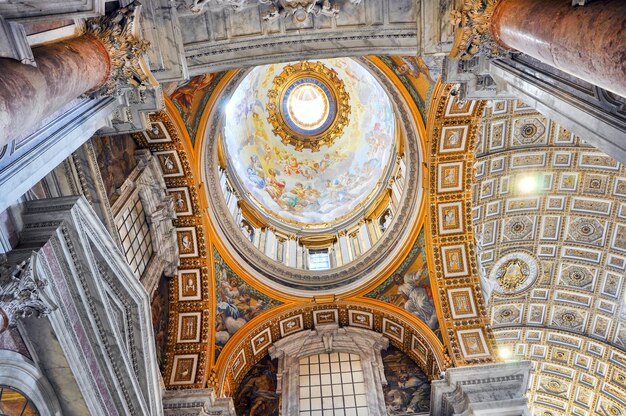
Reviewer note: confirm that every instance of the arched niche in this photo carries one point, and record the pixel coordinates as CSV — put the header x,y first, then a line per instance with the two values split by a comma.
x,y
252,342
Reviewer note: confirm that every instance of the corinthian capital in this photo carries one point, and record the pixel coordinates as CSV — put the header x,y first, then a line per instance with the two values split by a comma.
x,y
472,29
119,34
22,294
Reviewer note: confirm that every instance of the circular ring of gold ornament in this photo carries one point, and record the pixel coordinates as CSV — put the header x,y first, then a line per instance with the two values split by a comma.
x,y
308,106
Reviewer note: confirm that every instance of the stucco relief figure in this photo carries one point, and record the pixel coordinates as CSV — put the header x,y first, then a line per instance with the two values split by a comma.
x,y
408,389
257,392
168,163
449,177
246,229
186,241
486,284
453,139
513,275
190,286
453,263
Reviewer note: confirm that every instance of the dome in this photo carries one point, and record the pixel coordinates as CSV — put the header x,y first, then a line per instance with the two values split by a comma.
x,y
309,143
314,179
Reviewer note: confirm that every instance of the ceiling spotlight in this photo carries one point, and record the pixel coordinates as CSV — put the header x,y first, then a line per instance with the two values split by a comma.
x,y
505,353
527,184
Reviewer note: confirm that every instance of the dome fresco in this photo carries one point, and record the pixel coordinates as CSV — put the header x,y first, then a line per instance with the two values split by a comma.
x,y
308,187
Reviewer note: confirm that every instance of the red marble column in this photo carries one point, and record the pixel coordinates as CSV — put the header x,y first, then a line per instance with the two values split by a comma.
x,y
587,41
65,70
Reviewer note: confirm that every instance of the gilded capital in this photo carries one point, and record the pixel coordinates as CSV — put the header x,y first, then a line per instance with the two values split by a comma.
x,y
119,35
472,29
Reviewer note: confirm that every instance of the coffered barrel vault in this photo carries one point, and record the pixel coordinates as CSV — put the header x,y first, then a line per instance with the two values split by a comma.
x,y
544,198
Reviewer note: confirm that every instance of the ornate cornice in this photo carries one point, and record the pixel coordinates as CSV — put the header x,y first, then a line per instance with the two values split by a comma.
x,y
118,35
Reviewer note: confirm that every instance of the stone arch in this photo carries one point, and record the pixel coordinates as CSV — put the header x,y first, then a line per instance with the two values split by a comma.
x,y
253,341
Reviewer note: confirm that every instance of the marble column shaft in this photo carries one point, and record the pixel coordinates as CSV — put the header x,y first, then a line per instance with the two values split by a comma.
x,y
65,70
587,41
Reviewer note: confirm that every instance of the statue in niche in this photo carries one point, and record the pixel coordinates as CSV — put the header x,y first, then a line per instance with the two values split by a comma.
x,y
486,284
247,230
385,220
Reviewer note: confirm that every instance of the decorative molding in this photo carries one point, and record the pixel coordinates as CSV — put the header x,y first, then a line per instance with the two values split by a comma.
x,y
452,260
327,339
98,340
186,364
223,38
567,319
300,11
51,10
338,100
18,372
25,161
382,321
197,402
160,212
14,44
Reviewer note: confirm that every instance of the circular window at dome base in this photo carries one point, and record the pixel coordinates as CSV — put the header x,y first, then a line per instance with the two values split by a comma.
x,y
308,106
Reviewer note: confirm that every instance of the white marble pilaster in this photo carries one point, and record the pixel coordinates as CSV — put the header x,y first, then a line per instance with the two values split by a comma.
x,y
344,248
292,252
270,244
364,235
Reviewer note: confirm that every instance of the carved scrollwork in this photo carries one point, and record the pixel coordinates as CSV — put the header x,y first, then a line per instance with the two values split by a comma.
x,y
299,10
22,294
